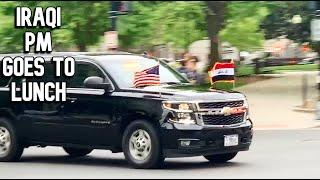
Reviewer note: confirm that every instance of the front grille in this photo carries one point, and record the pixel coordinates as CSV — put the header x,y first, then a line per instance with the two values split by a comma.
x,y
222,120
213,105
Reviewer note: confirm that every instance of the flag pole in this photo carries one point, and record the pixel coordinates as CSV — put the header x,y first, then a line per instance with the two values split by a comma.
x,y
159,77
234,81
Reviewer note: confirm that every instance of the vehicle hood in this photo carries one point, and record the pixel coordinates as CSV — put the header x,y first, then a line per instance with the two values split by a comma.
x,y
190,93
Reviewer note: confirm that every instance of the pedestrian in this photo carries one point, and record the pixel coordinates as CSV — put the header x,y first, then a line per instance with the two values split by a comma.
x,y
185,57
149,53
189,68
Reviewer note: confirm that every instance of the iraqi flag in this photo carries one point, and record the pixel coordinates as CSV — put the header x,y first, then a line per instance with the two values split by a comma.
x,y
222,72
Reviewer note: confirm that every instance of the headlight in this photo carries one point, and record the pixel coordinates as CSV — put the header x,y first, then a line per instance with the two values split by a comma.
x,y
181,112
178,107
183,118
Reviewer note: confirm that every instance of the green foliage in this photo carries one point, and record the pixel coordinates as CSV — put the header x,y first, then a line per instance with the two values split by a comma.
x,y
151,24
181,23
86,21
242,26
135,29
159,22
10,40
304,67
279,21
244,71
83,23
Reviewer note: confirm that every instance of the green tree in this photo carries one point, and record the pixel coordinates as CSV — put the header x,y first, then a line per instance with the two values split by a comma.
x,y
135,29
181,23
10,40
83,23
157,23
279,21
243,24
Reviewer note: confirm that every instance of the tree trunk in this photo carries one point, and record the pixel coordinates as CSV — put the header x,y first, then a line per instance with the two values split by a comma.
x,y
214,17
82,47
214,55
257,66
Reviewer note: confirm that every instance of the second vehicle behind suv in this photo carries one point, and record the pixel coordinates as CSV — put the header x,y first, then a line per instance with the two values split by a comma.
x,y
105,111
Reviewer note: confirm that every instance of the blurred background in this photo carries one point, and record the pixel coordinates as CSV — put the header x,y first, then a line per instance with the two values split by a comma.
x,y
274,44
270,42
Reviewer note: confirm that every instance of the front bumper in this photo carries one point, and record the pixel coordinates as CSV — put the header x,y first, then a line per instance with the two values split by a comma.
x,y
203,141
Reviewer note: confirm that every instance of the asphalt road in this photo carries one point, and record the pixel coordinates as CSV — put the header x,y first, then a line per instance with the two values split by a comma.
x,y
274,154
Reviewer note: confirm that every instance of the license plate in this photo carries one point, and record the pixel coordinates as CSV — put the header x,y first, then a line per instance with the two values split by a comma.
x,y
231,140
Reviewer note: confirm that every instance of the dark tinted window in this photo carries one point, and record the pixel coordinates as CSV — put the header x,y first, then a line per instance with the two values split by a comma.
x,y
49,75
4,81
83,71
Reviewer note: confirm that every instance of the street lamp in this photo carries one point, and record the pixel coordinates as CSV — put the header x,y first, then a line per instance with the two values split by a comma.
x,y
296,20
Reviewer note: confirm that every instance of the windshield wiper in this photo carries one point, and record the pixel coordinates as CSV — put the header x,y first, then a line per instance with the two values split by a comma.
x,y
166,83
171,83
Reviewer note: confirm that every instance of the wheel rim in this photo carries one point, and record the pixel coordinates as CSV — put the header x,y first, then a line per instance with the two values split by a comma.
x,y
140,145
5,141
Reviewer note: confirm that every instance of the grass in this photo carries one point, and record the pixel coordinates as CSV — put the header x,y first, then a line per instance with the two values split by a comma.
x,y
243,76
249,70
279,69
244,71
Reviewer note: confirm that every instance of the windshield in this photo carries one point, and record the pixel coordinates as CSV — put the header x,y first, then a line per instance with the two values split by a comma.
x,y
123,67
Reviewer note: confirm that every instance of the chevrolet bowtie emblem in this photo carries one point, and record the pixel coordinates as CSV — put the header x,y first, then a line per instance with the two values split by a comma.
x,y
227,111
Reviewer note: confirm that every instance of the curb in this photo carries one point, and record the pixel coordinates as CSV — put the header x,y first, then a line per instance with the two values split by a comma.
x,y
315,124
272,75
305,110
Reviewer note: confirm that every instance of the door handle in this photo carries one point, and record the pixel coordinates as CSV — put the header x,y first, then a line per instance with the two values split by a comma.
x,y
72,100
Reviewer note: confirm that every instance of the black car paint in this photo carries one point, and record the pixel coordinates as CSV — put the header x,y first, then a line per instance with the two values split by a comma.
x,y
98,121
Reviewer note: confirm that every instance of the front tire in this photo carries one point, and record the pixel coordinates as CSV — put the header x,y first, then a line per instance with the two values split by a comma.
x,y
141,145
77,152
221,158
10,148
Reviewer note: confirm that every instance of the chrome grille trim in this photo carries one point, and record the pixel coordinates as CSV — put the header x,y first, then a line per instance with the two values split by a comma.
x,y
221,101
215,105
200,112
201,122
223,120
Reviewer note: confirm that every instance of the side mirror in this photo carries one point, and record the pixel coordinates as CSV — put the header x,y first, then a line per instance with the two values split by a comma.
x,y
95,82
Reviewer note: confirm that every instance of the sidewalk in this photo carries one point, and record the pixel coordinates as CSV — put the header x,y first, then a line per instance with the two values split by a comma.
x,y
272,101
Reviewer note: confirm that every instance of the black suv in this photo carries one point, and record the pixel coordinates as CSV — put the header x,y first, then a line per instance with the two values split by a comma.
x,y
104,111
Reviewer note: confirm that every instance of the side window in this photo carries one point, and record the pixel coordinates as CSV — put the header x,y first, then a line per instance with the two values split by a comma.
x,y
83,71
4,81
49,75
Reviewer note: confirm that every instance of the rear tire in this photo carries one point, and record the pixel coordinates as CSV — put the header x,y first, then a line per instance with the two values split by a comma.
x,y
221,158
141,145
10,148
77,152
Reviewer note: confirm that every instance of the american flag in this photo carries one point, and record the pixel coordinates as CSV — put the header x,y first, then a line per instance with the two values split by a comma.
x,y
147,77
